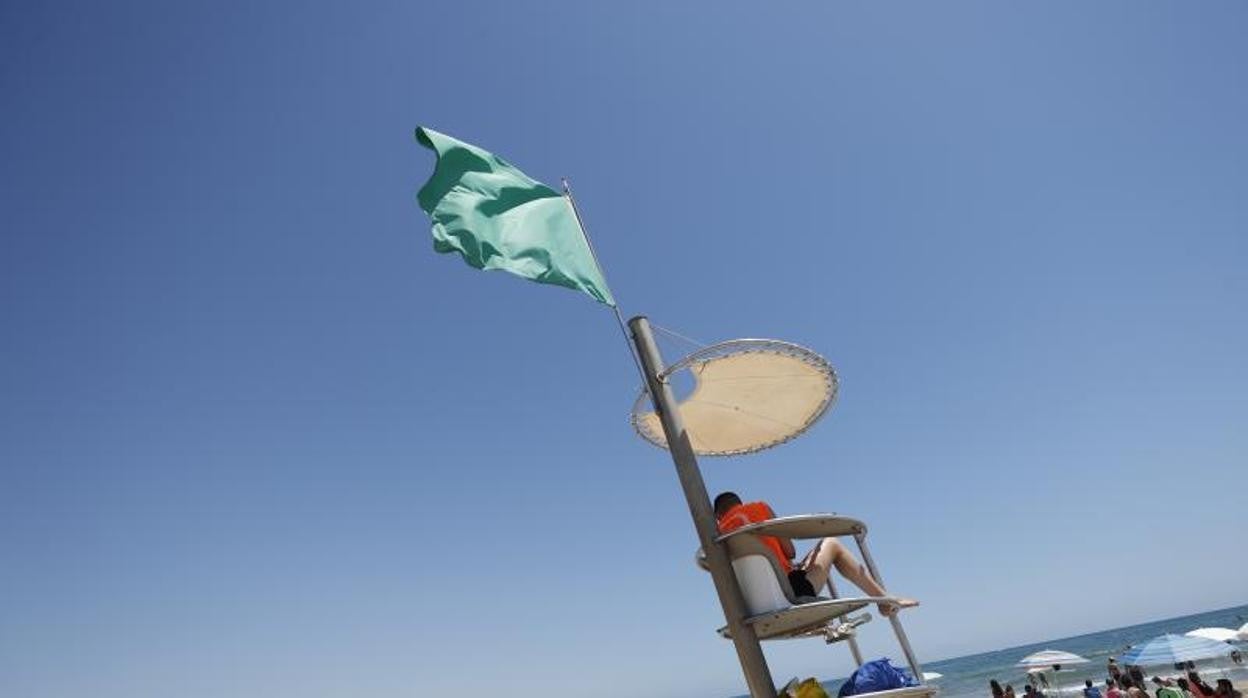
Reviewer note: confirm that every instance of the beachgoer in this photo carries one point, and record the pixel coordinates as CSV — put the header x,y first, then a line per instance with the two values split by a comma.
x,y
812,572
1226,689
995,687
1166,690
1031,692
1137,676
1009,691
1115,672
1198,687
1111,689
1237,657
1090,691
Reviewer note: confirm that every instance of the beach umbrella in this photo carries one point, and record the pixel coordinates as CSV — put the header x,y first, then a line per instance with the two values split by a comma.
x,y
1216,634
1048,658
1172,649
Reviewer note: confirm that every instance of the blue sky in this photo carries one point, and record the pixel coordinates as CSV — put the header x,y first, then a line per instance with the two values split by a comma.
x,y
257,439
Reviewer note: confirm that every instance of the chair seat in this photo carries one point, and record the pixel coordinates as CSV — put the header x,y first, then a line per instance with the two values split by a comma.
x,y
797,621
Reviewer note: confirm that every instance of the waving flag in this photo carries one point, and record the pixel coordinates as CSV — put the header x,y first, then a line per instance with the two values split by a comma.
x,y
497,217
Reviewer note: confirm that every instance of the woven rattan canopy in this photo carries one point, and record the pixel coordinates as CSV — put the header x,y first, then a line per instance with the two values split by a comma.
x,y
748,395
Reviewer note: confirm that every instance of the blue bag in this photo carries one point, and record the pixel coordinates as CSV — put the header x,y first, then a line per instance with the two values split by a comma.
x,y
876,675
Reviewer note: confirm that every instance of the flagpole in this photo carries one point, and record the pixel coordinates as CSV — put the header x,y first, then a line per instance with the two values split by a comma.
x,y
619,319
649,362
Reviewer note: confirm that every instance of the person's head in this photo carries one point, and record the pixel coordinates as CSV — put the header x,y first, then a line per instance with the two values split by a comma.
x,y
1109,683
1224,687
1183,684
996,688
1157,680
1087,683
1113,661
725,501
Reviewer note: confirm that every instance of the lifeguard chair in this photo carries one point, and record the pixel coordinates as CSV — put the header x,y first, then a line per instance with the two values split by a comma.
x,y
749,395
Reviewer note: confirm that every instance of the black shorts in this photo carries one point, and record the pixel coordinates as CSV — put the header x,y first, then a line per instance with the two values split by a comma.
x,y
801,585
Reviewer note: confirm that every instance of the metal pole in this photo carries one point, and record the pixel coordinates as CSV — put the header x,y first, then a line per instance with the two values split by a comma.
x,y
749,653
853,641
893,619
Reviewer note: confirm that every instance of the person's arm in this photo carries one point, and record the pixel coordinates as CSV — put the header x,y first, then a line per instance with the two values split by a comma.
x,y
786,544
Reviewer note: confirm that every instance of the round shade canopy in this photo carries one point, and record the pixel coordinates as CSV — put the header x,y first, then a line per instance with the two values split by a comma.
x,y
748,395
1048,658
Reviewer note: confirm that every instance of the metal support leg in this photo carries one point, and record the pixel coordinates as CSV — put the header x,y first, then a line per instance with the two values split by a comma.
x,y
853,641
749,652
894,619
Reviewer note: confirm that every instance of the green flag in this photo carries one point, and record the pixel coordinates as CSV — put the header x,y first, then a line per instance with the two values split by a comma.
x,y
498,218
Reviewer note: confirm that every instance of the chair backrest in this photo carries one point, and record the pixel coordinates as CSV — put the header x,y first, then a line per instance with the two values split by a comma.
x,y
763,580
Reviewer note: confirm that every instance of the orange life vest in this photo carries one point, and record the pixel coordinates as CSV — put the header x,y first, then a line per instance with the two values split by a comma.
x,y
755,512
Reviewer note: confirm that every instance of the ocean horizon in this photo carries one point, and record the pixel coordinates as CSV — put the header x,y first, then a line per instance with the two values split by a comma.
x,y
969,675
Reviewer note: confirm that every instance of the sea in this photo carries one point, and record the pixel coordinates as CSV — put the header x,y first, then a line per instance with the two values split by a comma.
x,y
967,676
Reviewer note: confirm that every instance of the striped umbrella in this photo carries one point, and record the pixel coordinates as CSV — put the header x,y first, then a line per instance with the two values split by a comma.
x,y
1172,649
1048,658
1219,634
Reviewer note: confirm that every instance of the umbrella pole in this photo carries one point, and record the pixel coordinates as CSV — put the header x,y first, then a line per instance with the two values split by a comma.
x,y
749,652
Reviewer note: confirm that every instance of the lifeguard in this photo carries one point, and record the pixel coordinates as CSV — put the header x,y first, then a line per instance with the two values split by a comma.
x,y
812,572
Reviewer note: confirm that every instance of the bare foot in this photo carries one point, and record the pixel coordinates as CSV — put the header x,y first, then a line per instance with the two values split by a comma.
x,y
889,609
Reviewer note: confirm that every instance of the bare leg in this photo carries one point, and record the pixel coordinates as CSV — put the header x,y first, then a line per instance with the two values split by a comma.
x,y
829,553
